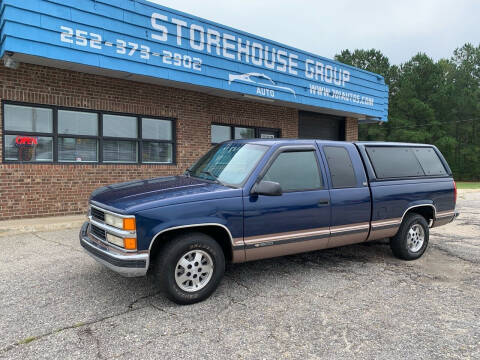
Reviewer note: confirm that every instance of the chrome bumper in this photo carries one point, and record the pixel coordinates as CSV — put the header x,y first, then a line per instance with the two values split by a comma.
x,y
445,217
126,264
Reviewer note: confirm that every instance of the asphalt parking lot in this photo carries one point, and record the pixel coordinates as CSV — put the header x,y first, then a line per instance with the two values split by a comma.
x,y
356,301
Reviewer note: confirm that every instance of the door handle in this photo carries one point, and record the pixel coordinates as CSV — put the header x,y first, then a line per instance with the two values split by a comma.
x,y
324,202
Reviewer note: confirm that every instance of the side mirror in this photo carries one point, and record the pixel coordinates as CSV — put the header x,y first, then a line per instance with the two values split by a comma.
x,y
267,188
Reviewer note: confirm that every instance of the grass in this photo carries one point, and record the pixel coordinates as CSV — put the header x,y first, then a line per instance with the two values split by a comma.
x,y
468,185
27,340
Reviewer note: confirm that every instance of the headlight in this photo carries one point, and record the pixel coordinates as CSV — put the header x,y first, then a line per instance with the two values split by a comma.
x,y
128,243
120,223
114,221
115,240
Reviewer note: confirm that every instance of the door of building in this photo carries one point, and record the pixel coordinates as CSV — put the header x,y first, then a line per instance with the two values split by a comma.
x,y
320,126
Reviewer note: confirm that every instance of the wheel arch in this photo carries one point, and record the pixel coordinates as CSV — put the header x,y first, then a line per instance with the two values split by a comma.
x,y
427,210
220,233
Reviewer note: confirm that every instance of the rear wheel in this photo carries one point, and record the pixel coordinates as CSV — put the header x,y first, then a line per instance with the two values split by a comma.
x,y
412,238
190,267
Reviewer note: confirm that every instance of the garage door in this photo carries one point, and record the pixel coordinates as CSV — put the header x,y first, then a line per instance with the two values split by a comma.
x,y
320,126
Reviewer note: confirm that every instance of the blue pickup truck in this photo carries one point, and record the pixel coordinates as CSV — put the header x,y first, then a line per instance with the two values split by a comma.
x,y
254,199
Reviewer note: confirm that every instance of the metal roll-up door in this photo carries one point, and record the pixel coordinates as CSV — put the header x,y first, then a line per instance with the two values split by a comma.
x,y
320,126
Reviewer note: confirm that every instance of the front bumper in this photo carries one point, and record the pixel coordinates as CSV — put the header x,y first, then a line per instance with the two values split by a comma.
x,y
126,264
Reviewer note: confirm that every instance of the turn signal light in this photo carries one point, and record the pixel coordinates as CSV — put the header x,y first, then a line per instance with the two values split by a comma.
x,y
130,244
129,224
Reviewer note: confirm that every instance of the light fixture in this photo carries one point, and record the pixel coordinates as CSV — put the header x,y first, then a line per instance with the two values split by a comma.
x,y
9,61
251,97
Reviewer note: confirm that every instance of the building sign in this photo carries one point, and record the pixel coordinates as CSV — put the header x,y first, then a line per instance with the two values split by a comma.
x,y
26,147
26,141
142,38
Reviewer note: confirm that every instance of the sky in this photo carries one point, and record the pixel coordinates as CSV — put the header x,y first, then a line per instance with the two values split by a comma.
x,y
399,29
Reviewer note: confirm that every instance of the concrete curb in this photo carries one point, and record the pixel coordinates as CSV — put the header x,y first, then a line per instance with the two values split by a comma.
x,y
15,227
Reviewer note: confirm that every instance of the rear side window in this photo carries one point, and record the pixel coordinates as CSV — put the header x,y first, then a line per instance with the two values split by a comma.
x,y
295,171
401,162
341,167
430,162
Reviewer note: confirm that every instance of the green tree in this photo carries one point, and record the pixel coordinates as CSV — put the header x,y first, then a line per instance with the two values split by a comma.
x,y
370,60
431,102
466,111
374,61
411,108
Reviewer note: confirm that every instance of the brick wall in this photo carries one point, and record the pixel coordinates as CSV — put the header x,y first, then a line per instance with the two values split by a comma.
x,y
46,190
351,129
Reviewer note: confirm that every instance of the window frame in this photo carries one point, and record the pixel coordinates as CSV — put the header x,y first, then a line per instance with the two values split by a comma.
x,y
257,129
293,148
56,159
100,138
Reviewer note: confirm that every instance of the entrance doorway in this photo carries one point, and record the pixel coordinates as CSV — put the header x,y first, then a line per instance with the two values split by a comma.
x,y
320,126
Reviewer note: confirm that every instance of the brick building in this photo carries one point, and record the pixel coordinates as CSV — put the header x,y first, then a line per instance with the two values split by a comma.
x,y
78,113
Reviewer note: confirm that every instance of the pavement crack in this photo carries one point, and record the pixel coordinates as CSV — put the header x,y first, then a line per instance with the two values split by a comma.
x,y
133,303
163,310
238,282
231,301
451,254
56,242
69,327
89,333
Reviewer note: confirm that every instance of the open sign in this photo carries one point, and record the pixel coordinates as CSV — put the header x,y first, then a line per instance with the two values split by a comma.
x,y
26,140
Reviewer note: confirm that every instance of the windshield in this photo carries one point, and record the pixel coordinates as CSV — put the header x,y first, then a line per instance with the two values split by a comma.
x,y
228,163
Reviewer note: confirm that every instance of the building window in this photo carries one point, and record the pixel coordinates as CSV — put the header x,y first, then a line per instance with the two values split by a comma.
x,y
28,119
28,133
28,148
124,130
244,133
221,133
157,146
77,136
49,134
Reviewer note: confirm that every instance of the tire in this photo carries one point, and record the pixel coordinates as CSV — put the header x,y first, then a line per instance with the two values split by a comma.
x,y
408,244
189,268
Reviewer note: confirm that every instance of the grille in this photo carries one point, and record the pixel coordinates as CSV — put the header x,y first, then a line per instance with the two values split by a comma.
x,y
100,233
97,214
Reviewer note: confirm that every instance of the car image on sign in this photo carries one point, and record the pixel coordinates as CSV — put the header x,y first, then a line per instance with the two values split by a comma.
x,y
260,80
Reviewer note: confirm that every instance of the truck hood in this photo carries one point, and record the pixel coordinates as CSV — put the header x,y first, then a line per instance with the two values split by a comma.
x,y
132,197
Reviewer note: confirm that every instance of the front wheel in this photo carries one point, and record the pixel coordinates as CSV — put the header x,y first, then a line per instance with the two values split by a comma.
x,y
411,240
190,267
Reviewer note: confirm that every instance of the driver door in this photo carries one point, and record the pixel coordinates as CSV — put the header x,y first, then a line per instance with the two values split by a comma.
x,y
299,219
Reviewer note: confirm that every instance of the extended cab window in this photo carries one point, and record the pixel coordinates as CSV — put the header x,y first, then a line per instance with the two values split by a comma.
x,y
401,162
341,167
295,171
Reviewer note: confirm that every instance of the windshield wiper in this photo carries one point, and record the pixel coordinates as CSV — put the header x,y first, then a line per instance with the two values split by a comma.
x,y
209,173
188,172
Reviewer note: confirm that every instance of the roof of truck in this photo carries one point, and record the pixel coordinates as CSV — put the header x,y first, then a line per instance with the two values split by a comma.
x,y
281,141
